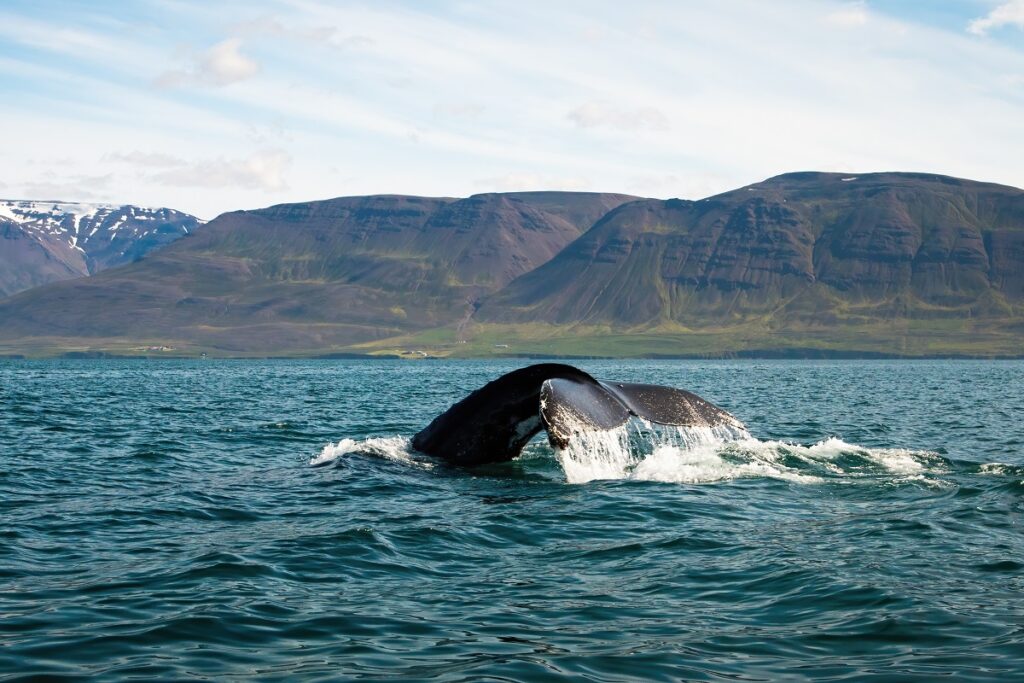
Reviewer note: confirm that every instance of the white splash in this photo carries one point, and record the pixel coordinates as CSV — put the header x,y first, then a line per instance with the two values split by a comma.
x,y
705,464
618,453
695,456
390,447
597,455
641,451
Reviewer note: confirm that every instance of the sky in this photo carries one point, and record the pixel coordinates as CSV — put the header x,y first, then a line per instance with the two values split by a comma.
x,y
208,107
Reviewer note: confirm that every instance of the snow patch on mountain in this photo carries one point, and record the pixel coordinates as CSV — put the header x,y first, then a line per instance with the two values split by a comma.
x,y
84,237
77,223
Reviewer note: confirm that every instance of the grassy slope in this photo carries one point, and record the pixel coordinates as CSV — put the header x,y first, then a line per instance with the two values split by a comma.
x,y
938,337
905,338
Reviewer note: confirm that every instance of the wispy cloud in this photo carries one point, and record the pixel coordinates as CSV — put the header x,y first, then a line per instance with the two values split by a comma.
x,y
150,159
52,185
42,35
220,65
461,110
850,15
603,114
446,98
1007,14
325,35
265,170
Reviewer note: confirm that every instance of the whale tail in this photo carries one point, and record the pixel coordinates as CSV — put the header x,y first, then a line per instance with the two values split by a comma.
x,y
495,422
567,405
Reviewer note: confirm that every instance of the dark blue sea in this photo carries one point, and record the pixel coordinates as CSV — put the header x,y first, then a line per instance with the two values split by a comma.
x,y
268,520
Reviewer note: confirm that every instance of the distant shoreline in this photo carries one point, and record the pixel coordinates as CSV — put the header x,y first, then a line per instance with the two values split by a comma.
x,y
763,354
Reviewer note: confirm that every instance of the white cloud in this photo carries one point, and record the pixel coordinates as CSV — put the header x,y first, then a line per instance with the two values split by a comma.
x,y
851,15
502,95
459,110
220,65
325,35
52,185
1007,14
264,170
601,114
272,134
224,63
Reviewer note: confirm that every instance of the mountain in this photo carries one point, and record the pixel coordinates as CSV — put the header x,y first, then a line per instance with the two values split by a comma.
x,y
803,263
795,252
316,275
43,242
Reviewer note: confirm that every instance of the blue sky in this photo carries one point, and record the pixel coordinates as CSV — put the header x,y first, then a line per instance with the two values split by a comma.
x,y
209,107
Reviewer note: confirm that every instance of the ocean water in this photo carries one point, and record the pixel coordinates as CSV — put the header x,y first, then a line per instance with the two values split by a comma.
x,y
266,519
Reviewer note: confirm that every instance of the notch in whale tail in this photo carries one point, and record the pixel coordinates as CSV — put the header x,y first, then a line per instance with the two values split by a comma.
x,y
495,422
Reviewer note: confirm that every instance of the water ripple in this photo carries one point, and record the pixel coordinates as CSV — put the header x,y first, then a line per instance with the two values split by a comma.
x,y
162,520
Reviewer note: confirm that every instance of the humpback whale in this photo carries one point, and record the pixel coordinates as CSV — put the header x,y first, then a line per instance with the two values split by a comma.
x,y
495,422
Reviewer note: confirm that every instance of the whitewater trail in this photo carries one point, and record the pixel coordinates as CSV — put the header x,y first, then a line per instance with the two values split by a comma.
x,y
398,448
643,452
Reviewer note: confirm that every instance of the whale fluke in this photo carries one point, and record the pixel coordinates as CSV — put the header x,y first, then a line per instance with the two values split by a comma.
x,y
568,405
495,422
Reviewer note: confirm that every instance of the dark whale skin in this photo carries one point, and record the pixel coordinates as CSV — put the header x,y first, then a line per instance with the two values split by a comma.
x,y
495,422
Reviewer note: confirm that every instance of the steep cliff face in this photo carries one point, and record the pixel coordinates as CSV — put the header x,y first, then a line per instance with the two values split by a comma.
x,y
807,245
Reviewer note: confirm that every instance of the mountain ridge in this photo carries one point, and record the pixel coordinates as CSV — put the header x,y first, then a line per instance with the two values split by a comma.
x,y
764,243
322,274
48,241
888,263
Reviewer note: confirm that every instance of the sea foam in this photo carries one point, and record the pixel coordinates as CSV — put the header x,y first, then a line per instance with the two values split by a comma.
x,y
641,451
390,447
702,455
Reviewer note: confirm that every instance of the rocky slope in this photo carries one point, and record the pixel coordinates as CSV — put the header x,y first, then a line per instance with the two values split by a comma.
x,y
314,275
804,248
43,242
